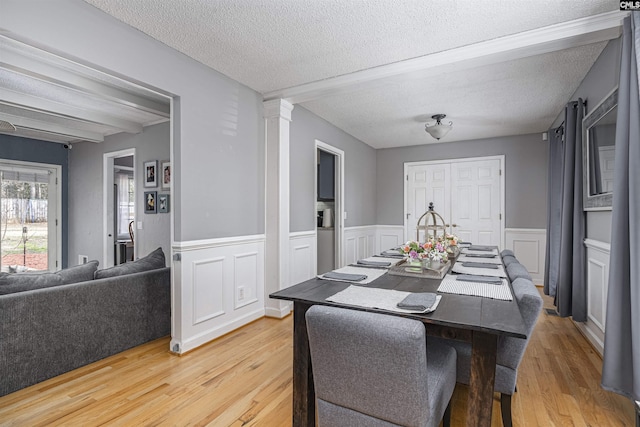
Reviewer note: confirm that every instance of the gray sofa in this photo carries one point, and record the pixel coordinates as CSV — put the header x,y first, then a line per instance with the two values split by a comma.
x,y
51,330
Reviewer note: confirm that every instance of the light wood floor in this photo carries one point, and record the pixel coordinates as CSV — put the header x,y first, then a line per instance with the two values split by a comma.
x,y
244,378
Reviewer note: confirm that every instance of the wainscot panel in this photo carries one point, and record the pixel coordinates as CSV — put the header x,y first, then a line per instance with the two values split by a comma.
x,y
529,245
359,242
597,285
218,287
303,258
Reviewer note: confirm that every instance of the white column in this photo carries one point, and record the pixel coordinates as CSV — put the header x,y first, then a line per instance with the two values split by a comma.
x,y
277,114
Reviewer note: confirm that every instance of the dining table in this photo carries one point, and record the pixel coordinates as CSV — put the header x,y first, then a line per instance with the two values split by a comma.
x,y
478,320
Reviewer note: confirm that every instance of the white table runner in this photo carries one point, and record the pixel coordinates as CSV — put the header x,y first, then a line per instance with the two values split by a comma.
x,y
475,271
371,273
450,285
384,299
469,251
464,258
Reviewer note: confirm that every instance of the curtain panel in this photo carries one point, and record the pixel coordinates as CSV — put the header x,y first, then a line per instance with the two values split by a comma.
x,y
571,295
554,210
621,361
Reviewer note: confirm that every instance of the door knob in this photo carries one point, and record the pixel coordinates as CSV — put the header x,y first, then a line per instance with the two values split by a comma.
x,y
454,225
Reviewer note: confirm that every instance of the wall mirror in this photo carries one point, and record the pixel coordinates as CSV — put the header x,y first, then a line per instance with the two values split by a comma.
x,y
598,149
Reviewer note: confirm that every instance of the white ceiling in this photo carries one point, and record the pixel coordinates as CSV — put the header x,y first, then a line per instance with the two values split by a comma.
x,y
378,69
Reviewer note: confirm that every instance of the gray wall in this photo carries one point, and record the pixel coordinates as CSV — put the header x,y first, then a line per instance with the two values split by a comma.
x,y
525,176
218,134
601,79
85,193
359,170
31,150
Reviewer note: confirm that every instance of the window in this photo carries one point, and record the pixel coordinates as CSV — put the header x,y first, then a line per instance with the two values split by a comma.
x,y
29,212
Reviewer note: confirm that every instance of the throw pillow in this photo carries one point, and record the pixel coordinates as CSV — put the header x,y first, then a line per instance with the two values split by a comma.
x,y
19,282
79,273
153,261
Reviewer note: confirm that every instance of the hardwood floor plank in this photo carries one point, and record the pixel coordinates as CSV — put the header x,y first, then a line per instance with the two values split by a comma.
x,y
245,379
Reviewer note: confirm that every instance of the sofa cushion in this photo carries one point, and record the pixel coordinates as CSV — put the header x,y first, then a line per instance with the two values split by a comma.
x,y
19,282
152,261
79,273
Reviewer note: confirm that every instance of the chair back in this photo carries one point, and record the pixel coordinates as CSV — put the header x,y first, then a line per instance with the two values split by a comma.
x,y
511,350
360,360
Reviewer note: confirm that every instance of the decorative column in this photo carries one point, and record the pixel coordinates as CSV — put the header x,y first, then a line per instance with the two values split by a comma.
x,y
277,114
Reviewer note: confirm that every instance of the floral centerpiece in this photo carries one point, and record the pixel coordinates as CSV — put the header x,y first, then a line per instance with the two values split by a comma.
x,y
451,242
432,249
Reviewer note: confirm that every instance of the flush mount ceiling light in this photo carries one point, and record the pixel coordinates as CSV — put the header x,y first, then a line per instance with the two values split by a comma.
x,y
438,129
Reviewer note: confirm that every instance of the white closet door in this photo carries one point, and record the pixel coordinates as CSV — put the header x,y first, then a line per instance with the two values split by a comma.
x,y
475,201
425,184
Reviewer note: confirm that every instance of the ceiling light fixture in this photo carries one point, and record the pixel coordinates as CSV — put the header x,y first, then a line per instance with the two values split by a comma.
x,y
438,129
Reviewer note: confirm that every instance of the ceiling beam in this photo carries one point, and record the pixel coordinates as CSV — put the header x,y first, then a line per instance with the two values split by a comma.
x,y
565,35
51,128
58,109
37,68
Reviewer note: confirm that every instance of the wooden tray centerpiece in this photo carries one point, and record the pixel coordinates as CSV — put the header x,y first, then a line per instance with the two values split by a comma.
x,y
424,271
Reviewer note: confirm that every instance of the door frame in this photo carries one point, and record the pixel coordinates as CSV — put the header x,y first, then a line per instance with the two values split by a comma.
x,y
107,194
500,157
339,196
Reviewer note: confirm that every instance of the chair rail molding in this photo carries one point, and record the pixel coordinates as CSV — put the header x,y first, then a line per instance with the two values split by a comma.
x,y
218,286
529,245
593,329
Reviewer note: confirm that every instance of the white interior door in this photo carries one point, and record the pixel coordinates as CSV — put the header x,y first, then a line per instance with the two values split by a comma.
x,y
468,193
476,201
426,183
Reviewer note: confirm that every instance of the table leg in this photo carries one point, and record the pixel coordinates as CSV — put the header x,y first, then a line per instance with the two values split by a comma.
x,y
483,371
304,395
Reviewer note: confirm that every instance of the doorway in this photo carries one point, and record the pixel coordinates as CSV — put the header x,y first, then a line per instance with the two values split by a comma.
x,y
119,214
30,230
468,193
329,206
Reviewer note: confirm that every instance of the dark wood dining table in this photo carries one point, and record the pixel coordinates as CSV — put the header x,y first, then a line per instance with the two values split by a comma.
x,y
480,321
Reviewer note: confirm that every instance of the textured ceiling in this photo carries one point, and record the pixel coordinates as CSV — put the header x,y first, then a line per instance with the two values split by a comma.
x,y
270,45
488,101
274,45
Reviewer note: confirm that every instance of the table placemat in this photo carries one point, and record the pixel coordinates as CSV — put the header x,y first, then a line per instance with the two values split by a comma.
x,y
493,272
384,299
450,285
464,258
469,251
371,273
380,258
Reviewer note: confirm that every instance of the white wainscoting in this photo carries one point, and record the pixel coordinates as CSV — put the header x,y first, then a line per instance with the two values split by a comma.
x,y
597,286
303,256
389,236
529,246
365,241
218,286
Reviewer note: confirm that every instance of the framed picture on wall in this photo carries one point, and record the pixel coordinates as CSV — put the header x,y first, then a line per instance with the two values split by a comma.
x,y
165,168
150,202
163,203
151,174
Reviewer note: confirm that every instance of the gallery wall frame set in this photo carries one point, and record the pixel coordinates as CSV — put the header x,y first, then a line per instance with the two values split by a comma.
x,y
154,202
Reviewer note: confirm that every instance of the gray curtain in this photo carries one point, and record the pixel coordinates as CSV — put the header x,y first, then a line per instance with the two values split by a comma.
x,y
554,210
571,298
621,364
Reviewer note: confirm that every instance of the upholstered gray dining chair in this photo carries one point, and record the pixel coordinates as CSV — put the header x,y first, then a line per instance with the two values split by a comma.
x,y
510,350
516,271
372,369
